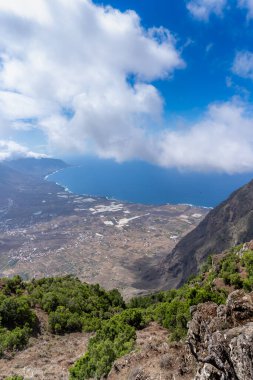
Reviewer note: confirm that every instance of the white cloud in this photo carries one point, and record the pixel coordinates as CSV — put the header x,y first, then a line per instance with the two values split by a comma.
x,y
202,9
248,4
221,141
243,64
11,150
68,66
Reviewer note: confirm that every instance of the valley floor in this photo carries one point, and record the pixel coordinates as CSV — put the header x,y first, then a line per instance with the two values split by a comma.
x,y
52,232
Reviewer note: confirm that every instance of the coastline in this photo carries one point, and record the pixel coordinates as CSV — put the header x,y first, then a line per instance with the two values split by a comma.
x,y
107,198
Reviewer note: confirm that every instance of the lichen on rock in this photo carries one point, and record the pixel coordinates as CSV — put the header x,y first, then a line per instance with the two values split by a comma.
x,y
221,338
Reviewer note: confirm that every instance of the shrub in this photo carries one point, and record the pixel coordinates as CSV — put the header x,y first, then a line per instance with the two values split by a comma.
x,y
62,320
13,285
15,339
72,305
247,262
113,340
16,311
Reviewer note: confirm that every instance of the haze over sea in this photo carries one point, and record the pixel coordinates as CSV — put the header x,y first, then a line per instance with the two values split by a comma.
x,y
140,182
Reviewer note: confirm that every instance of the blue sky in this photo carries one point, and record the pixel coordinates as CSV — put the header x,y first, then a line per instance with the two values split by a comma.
x,y
166,82
208,48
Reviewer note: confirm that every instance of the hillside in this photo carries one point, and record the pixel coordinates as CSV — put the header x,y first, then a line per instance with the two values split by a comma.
x,y
202,331
226,225
38,167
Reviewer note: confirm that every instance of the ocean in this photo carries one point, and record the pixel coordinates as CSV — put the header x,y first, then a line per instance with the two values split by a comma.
x,y
140,182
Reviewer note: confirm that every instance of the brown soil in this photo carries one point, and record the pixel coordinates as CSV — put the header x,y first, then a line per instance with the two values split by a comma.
x,y
155,358
47,357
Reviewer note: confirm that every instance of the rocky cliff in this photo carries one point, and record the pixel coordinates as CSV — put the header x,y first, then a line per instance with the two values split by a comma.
x,y
219,346
221,338
219,342
228,224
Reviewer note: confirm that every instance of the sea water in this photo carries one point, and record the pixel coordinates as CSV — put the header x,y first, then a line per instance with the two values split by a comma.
x,y
140,182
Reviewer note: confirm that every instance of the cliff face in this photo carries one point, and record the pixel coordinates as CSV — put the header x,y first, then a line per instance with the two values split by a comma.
x,y
219,346
228,224
221,338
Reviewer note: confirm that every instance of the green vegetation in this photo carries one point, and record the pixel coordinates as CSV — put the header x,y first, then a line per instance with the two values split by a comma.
x,y
17,319
113,339
76,306
71,305
236,269
116,336
14,378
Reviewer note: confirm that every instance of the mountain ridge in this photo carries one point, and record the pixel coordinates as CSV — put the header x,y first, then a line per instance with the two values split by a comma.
x,y
228,224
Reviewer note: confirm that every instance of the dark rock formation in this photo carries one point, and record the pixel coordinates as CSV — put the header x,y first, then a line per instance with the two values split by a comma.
x,y
228,224
221,338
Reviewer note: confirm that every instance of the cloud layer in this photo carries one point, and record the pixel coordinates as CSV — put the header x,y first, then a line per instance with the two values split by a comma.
x,y
221,141
82,75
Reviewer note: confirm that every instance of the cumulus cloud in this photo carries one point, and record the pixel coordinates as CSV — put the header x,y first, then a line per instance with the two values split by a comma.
x,y
81,73
202,9
221,141
11,150
243,64
247,4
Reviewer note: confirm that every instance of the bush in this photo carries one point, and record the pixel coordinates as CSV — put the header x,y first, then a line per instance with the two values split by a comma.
x,y
136,318
15,339
248,284
16,311
72,305
13,285
112,341
62,320
247,262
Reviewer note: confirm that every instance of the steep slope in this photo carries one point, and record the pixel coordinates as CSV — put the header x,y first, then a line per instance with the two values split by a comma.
x,y
38,167
219,340
228,224
11,181
23,194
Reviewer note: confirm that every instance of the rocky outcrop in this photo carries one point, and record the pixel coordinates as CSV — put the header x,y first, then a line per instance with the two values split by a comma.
x,y
221,338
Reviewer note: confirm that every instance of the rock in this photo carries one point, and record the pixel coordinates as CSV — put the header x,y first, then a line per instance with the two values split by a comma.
x,y
228,224
221,338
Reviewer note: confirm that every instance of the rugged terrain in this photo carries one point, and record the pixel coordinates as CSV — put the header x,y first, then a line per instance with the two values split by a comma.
x,y
47,356
155,358
221,338
228,224
47,231
147,336
219,346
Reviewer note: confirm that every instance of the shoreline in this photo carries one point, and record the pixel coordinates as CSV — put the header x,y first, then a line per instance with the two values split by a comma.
x,y
67,190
